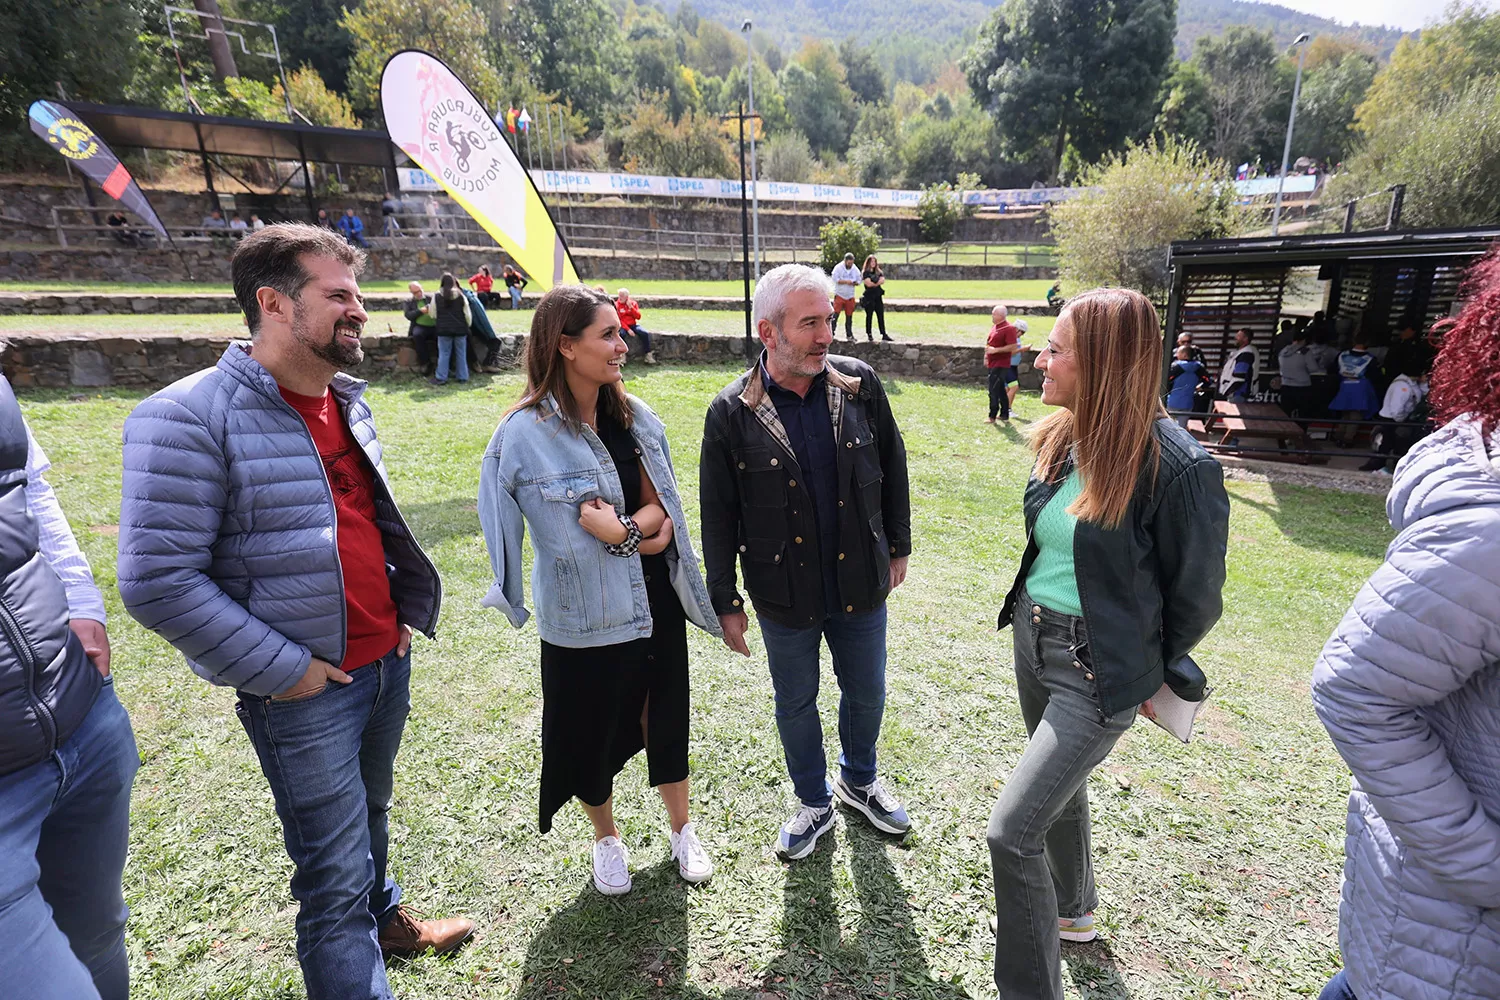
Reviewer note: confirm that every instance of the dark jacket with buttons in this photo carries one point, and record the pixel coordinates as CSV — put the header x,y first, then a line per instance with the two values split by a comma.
x,y
755,505
1152,588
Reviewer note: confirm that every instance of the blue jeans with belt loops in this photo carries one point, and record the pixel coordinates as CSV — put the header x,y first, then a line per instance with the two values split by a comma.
x,y
1039,830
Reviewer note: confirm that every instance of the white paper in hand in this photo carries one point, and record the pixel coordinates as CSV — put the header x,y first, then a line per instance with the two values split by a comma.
x,y
1175,715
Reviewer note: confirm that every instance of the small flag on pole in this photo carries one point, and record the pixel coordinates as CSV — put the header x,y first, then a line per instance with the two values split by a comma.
x,y
510,120
524,120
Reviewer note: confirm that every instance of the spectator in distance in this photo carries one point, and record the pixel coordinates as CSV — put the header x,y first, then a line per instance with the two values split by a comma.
x,y
1194,353
1295,363
1127,522
237,225
214,220
119,227
256,223
803,477
1408,687
389,207
1410,354
451,311
1241,369
513,285
1357,398
629,314
67,753
421,326
874,296
846,282
483,331
353,228
1404,402
1183,379
615,579
1001,350
306,609
483,284
323,220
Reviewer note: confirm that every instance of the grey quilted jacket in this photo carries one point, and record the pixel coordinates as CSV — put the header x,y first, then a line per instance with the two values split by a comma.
x,y
1409,689
227,528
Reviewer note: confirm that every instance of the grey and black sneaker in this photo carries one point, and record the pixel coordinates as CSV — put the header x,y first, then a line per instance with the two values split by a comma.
x,y
879,806
799,835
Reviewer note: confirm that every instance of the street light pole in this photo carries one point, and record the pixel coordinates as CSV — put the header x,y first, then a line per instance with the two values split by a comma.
x,y
1291,121
754,185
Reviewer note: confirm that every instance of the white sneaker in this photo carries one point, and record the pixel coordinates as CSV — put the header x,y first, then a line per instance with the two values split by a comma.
x,y
611,867
692,860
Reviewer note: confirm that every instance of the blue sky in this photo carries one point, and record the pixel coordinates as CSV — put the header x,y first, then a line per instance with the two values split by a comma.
x,y
1405,14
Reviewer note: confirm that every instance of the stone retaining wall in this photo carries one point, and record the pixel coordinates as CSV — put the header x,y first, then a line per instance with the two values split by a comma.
x,y
90,361
205,262
96,304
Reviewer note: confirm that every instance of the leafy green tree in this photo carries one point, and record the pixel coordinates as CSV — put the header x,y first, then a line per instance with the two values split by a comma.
x,y
1447,155
652,143
863,73
874,153
841,236
1330,95
1439,64
1185,108
312,32
819,102
713,51
770,103
51,43
313,98
1131,206
1080,72
948,137
452,30
938,212
571,48
1243,87
786,157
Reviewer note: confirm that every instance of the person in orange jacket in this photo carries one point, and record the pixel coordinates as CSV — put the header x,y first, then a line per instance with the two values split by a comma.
x,y
630,322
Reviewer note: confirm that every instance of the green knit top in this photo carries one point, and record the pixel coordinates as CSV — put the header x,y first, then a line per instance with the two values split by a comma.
x,y
1052,583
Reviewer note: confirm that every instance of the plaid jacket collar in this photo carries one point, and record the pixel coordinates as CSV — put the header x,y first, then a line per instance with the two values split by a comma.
x,y
838,386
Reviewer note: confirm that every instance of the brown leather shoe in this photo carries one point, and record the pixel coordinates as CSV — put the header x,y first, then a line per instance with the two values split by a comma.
x,y
405,935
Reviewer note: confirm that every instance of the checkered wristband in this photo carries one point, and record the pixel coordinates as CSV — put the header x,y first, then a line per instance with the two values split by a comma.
x,y
632,538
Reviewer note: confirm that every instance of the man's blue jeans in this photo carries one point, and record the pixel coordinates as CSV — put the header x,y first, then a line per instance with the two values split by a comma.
x,y
64,830
1338,988
857,642
330,761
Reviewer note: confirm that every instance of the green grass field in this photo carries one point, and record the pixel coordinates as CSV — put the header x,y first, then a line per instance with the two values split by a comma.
x,y
964,291
940,328
1218,862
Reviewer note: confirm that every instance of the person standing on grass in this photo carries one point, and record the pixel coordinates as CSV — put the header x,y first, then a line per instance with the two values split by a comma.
x,y
874,296
451,311
629,314
1127,523
259,536
1000,353
846,282
614,577
803,477
513,285
67,752
1408,687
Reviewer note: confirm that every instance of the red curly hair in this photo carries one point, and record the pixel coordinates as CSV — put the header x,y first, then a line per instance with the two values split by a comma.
x,y
1466,374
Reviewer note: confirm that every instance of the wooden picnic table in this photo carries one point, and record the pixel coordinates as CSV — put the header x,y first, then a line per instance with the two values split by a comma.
x,y
1253,420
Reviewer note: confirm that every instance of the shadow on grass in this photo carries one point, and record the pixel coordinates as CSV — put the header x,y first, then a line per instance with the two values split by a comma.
x,y
441,520
884,956
1328,520
1094,971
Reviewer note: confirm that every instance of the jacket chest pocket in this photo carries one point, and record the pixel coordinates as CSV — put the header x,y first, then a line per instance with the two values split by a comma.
x,y
865,459
763,477
767,578
561,498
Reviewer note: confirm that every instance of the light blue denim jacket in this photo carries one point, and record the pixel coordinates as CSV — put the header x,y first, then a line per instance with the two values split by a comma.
x,y
537,471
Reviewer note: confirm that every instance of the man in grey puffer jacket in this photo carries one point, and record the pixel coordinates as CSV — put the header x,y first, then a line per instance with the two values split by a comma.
x,y
259,536
1409,689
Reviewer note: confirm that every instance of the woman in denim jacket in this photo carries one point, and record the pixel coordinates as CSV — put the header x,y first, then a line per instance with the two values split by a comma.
x,y
615,578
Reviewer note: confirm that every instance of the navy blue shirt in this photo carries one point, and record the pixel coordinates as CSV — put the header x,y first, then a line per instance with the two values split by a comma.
x,y
809,427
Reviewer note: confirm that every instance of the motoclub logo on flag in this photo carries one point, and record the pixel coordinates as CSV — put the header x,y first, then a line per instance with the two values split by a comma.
x,y
446,130
65,132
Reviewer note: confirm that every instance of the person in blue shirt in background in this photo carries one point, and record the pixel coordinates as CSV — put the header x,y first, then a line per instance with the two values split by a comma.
x,y
1183,379
353,228
1356,398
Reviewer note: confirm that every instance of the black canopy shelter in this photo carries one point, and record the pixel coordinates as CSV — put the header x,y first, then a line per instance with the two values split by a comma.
x,y
151,128
1367,284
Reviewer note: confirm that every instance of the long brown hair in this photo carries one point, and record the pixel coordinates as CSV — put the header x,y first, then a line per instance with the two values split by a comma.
x,y
566,311
1110,428
871,259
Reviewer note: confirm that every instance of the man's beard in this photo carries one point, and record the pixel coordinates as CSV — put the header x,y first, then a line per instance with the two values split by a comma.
x,y
797,361
329,348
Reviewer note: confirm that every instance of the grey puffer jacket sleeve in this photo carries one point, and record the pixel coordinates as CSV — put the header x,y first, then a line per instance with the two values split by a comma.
x,y
174,494
1409,690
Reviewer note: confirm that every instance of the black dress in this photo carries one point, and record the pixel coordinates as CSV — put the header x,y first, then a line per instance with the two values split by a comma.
x,y
592,698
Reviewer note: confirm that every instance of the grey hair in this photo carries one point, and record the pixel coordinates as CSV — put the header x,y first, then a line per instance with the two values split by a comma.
x,y
776,284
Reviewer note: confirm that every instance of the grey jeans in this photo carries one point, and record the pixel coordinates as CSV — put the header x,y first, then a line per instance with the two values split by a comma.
x,y
1039,830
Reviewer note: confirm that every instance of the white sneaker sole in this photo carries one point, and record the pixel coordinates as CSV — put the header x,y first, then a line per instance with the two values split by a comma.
x,y
812,843
612,890
695,879
1080,937
848,799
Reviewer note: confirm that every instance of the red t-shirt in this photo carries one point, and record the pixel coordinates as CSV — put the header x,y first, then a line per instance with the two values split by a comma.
x,y
482,282
371,613
1002,335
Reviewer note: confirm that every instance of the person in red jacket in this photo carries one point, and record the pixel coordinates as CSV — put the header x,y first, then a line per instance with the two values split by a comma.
x,y
630,322
483,284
